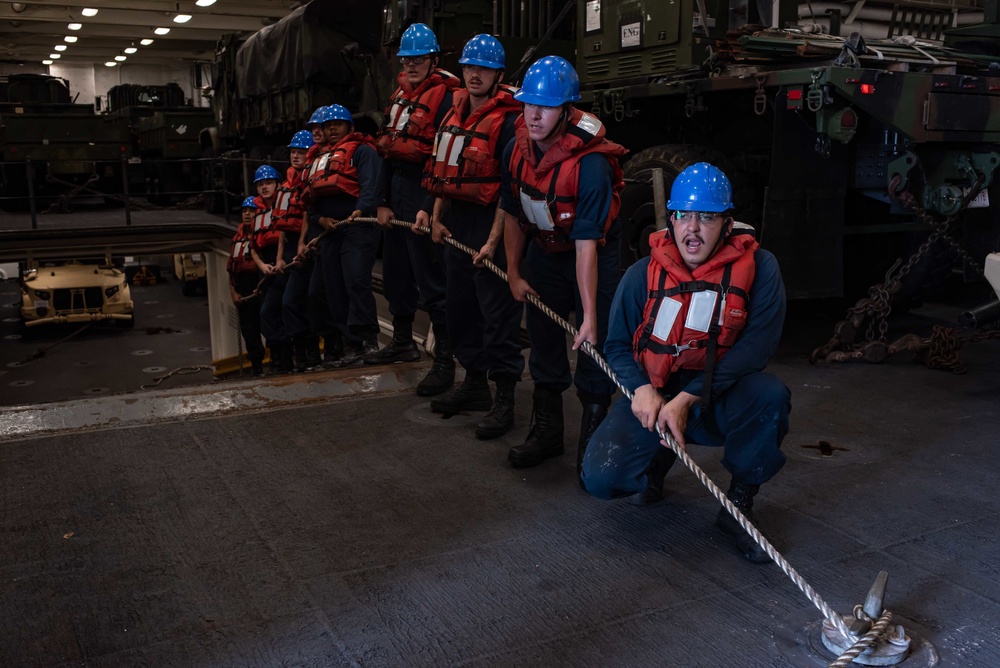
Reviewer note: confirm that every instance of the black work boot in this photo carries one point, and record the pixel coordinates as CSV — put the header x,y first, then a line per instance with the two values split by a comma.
x,y
283,351
472,395
545,433
333,350
366,344
402,348
593,415
655,473
257,365
299,353
742,495
310,349
441,377
500,419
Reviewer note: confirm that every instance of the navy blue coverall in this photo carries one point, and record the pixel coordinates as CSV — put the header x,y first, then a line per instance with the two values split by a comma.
x,y
749,407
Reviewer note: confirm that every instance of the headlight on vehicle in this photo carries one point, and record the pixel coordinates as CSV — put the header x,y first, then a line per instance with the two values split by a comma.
x,y
111,292
42,294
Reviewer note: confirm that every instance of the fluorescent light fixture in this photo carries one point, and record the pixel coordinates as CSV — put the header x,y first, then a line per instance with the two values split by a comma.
x,y
75,26
182,18
161,31
110,63
60,47
87,11
146,42
120,58
70,38
46,62
205,3
131,50
54,56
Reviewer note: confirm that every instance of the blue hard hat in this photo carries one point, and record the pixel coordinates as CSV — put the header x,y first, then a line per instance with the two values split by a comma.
x,y
701,187
484,51
265,172
336,112
317,117
249,203
550,82
418,40
302,139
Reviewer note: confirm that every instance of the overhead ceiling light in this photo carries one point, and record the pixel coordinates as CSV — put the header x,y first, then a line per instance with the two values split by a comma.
x,y
60,47
54,56
205,3
70,38
161,31
182,18
146,42
46,62
75,26
110,63
87,11
120,59
131,50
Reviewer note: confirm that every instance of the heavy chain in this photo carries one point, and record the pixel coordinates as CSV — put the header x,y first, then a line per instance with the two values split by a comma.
x,y
877,306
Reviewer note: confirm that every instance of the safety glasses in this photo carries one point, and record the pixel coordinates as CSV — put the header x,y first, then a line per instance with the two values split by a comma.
x,y
691,216
413,60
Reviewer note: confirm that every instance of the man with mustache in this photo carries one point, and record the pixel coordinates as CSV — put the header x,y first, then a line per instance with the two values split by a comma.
x,y
562,186
484,321
692,329
412,266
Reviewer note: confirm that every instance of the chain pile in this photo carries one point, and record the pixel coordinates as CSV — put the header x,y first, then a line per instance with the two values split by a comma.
x,y
940,351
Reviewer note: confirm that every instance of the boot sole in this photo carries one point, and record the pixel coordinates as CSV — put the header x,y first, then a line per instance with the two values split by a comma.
x,y
527,462
490,434
433,391
737,532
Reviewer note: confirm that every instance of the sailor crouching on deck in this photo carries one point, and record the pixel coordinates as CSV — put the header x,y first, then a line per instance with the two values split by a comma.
x,y
692,329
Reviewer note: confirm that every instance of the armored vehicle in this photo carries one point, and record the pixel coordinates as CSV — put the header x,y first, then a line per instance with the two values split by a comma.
x,y
75,292
50,145
165,131
852,130
189,269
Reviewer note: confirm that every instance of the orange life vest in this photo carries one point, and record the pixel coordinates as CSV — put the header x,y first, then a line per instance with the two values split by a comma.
x,y
314,151
333,171
287,211
407,133
692,314
239,252
465,163
264,232
548,188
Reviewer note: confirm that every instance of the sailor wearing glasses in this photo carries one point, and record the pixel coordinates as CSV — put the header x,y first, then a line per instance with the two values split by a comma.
x,y
692,329
412,265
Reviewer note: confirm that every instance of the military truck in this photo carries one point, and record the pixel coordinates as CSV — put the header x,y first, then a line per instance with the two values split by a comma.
x,y
846,149
165,131
61,146
61,292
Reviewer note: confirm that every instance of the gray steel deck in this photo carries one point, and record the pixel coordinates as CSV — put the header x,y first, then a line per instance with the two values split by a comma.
x,y
365,532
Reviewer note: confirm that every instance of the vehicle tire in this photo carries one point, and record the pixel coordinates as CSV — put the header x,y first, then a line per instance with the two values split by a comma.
x,y
189,288
638,215
126,324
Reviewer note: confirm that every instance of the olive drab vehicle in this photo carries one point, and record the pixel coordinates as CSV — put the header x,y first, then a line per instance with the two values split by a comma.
x,y
852,130
50,145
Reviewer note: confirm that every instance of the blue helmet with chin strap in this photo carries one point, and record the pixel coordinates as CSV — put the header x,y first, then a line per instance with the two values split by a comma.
x,y
302,139
550,82
249,203
418,40
485,51
265,172
337,112
701,187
